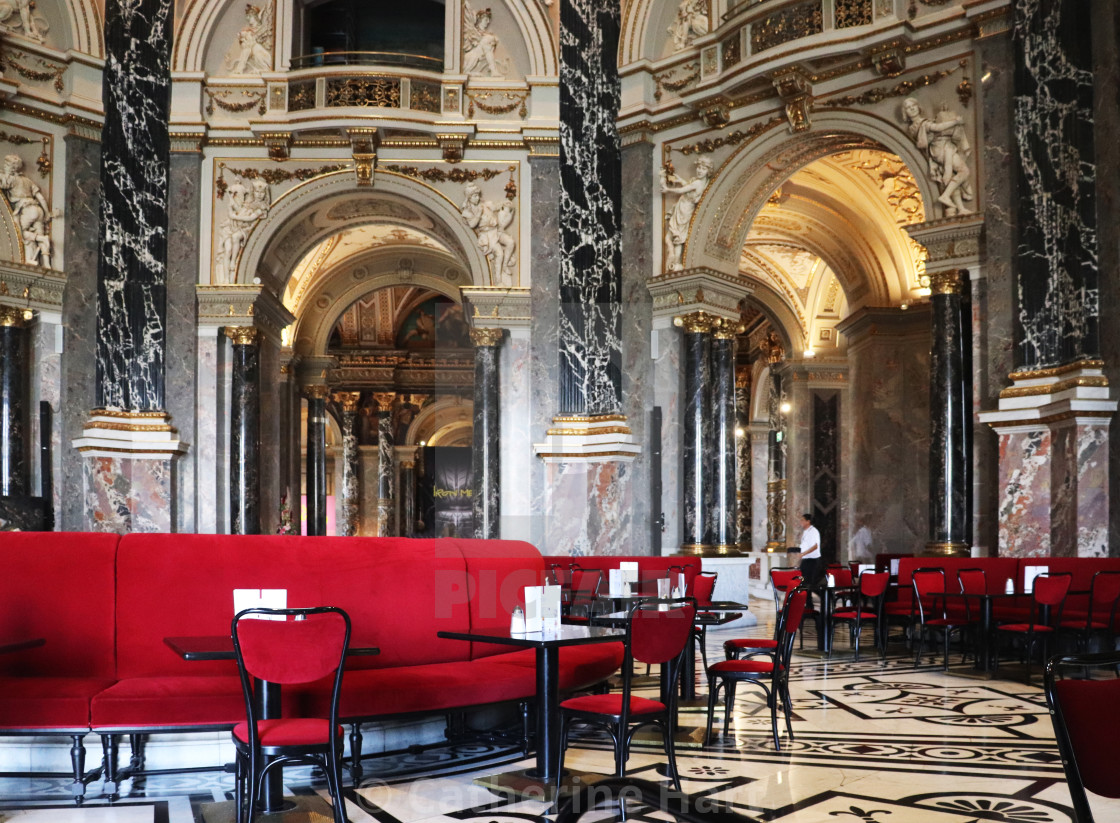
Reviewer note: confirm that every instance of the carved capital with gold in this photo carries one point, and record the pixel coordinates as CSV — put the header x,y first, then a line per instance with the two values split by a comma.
x,y
316,391
945,282
487,337
772,347
384,400
10,316
349,400
697,322
724,329
243,335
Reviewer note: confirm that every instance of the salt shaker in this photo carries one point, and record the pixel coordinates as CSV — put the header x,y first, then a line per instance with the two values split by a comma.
x,y
517,621
1010,587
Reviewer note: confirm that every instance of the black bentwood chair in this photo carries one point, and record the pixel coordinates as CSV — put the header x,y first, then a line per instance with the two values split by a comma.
x,y
289,646
653,635
1086,716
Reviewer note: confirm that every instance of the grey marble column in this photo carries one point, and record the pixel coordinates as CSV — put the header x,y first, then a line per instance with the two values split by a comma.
x,y
743,459
950,416
348,401
696,457
316,459
135,155
384,463
776,488
485,460
245,431
15,468
408,498
723,528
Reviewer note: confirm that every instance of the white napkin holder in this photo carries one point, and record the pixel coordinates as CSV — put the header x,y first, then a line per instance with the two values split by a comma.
x,y
260,599
542,608
614,582
663,587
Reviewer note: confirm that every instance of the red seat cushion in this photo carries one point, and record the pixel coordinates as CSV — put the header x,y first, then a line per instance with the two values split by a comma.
x,y
47,702
141,702
611,704
289,731
751,643
851,615
1023,627
742,666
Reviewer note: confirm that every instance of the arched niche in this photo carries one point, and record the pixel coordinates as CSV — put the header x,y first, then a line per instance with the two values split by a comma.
x,y
440,420
312,211
360,275
746,180
781,314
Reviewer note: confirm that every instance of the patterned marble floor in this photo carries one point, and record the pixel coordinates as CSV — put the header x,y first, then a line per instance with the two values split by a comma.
x,y
876,742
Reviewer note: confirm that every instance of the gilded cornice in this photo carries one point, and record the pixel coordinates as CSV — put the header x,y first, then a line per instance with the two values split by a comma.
x,y
243,335
1056,371
316,391
487,337
947,281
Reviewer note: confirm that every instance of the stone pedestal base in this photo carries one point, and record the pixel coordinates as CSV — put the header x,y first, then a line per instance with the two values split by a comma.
x,y
128,471
1053,462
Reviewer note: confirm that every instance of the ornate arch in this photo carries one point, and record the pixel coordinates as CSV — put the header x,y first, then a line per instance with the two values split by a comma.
x,y
379,268
748,177
536,35
312,211
87,27
11,243
433,418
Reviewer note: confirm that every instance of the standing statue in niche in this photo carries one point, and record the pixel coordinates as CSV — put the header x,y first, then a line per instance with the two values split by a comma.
x,y
19,16
676,227
489,223
252,53
480,44
691,22
946,146
29,210
247,207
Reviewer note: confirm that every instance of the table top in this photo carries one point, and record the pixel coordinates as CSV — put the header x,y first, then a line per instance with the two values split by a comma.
x,y
220,647
564,635
7,647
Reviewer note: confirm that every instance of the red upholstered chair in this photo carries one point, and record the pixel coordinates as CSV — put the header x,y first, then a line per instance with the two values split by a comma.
x,y
304,646
1047,596
727,673
933,613
867,609
701,589
1104,596
652,636
1086,714
783,581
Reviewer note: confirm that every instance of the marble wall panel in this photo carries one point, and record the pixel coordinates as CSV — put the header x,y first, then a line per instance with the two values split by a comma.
x,y
668,390
515,447
79,319
1024,508
799,449
367,506
129,495
181,378
588,510
1079,488
208,432
273,392
760,461
46,385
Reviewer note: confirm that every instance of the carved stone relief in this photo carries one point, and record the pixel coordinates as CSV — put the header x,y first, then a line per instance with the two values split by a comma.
x,y
252,52
30,211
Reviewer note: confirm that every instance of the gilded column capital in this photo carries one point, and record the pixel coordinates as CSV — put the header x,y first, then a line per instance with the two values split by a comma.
x,y
945,282
724,329
243,335
771,346
349,400
12,316
697,322
487,337
316,391
384,400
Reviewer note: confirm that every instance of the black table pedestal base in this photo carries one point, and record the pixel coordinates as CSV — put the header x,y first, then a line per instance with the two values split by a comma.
x,y
525,785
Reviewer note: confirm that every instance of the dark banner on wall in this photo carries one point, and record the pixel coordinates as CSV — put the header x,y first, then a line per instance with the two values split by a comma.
x,y
444,493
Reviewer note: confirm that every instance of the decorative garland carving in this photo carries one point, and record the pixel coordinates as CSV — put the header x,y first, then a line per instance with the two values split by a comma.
x,y
736,137
456,174
852,13
220,99
272,176
662,81
15,139
901,89
53,72
515,101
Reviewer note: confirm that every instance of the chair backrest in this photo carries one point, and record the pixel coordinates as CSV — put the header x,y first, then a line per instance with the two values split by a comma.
x,y
656,635
1104,595
585,582
973,581
928,583
1050,589
783,581
702,587
874,584
290,646
792,612
1086,713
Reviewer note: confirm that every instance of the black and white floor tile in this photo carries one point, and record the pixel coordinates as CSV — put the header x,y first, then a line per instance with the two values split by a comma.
x,y
875,742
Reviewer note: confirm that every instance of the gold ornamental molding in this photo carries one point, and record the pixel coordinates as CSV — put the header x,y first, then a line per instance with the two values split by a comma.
x,y
349,400
945,282
698,322
946,549
578,432
1053,388
589,418
144,435
727,330
487,337
1056,371
243,335
384,400
11,317
588,438
316,391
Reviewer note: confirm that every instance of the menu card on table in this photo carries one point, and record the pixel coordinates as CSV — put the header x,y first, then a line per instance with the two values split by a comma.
x,y
542,608
260,599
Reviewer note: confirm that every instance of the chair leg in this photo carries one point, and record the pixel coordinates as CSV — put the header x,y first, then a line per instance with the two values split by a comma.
x,y
945,660
671,752
857,630
921,643
773,701
713,687
356,754
702,637
334,783
728,704
787,704
560,762
253,786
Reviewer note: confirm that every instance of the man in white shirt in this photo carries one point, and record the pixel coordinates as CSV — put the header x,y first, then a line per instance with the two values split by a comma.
x,y
810,553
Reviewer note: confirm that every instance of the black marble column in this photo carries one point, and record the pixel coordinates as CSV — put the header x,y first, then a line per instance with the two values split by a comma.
x,y
696,438
744,468
486,468
776,453
316,459
384,463
1056,264
135,155
950,413
245,431
723,528
15,467
348,401
590,209
408,498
